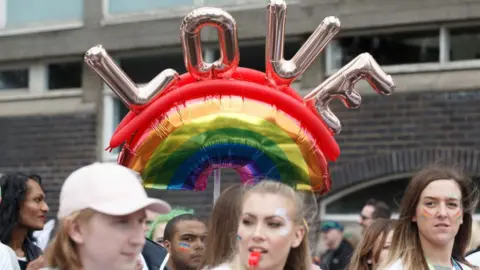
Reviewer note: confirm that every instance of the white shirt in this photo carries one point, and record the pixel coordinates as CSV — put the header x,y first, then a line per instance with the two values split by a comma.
x,y
43,236
474,258
399,266
8,259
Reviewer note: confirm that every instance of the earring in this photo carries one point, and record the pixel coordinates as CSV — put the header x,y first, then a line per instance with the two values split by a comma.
x,y
369,261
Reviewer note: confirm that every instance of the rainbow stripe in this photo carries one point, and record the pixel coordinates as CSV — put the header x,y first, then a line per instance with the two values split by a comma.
x,y
427,214
180,150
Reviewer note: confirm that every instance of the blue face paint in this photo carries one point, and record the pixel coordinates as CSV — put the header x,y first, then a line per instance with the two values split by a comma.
x,y
239,237
184,246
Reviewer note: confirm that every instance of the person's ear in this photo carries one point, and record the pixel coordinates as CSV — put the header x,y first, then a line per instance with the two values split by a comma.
x,y
299,234
414,218
75,230
168,245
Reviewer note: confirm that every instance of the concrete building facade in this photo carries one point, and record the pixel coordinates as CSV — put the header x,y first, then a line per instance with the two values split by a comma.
x,y
57,115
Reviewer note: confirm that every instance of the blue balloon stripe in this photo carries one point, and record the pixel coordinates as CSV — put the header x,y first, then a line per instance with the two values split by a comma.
x,y
223,155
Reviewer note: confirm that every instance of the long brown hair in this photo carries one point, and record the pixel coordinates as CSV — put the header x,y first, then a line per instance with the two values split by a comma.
x,y
222,227
406,242
62,251
299,258
369,247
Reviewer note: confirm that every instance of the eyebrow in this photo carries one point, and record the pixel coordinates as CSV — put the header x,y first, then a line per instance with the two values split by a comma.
x,y
447,197
193,234
267,217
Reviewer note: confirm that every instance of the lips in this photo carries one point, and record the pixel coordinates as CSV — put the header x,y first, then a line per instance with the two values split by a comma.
x,y
258,249
441,225
130,255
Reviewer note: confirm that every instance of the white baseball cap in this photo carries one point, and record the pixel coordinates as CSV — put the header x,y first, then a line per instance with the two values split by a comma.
x,y
107,188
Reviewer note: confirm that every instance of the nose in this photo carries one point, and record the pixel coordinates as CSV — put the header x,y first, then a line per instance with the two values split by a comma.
x,y
442,211
258,233
44,207
138,235
199,244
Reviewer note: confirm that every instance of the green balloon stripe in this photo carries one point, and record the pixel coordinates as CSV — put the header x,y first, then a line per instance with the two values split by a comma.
x,y
161,167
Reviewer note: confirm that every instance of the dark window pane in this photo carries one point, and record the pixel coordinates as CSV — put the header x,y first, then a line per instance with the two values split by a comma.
x,y
389,49
13,79
143,69
464,44
390,192
65,75
253,56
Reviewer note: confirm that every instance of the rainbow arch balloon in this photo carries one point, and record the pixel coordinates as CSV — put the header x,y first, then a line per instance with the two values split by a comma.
x,y
218,115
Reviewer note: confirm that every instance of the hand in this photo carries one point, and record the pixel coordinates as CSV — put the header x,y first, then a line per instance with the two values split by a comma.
x,y
36,264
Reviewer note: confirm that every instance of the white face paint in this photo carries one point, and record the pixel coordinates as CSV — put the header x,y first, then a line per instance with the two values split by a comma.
x,y
282,212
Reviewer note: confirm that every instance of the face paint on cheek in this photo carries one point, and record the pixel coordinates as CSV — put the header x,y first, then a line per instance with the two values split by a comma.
x,y
283,213
426,214
239,237
458,216
183,246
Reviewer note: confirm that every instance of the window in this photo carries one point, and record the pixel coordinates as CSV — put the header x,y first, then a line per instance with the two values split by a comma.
x,y
14,79
137,6
390,192
253,56
27,13
426,49
142,69
231,2
464,43
407,48
65,75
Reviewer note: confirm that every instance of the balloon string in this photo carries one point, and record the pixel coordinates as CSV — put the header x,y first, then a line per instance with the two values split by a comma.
x,y
109,149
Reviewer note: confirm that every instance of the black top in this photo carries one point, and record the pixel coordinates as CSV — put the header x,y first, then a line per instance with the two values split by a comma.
x,y
154,255
337,259
23,264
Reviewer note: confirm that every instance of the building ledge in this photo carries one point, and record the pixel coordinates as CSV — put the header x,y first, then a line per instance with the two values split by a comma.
x,y
41,28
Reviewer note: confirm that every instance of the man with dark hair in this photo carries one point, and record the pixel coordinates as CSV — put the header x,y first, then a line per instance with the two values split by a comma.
x,y
372,210
338,251
184,239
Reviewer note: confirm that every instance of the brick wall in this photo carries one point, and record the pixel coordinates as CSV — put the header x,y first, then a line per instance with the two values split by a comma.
x,y
405,131
51,146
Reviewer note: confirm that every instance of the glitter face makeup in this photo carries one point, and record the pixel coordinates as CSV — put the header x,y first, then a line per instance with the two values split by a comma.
x,y
281,212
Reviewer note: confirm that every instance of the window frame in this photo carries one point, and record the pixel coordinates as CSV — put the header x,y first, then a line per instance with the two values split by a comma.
x,y
444,63
37,82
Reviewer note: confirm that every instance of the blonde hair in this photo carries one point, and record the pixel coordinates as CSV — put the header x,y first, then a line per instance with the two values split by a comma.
x,y
62,251
298,258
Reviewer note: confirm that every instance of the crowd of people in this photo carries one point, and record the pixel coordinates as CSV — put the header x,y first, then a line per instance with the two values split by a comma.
x,y
106,221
